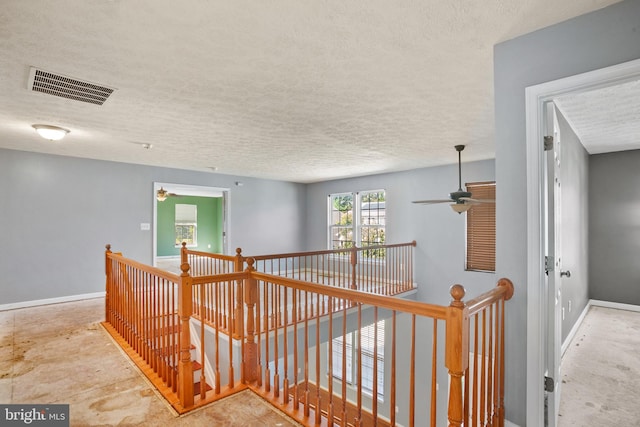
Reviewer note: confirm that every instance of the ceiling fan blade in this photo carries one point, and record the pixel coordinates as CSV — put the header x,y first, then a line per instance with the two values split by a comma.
x,y
430,202
472,200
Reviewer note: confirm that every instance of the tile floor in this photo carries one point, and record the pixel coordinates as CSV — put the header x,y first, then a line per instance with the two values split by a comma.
x,y
60,354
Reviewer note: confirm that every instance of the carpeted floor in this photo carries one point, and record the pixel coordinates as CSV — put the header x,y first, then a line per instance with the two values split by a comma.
x,y
601,371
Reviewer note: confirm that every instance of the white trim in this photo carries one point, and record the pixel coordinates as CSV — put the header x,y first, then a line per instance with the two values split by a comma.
x,y
35,303
574,329
535,97
508,423
616,305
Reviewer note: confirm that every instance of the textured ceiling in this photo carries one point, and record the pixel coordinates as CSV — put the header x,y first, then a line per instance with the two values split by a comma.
x,y
300,91
606,119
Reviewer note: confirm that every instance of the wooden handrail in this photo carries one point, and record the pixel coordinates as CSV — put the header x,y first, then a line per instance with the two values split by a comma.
x,y
391,303
504,289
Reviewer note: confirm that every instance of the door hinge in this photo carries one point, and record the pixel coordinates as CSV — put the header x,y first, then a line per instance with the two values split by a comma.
x,y
548,263
549,384
548,143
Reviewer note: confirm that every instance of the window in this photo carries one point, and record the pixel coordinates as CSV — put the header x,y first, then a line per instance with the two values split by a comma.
x,y
368,340
357,219
481,228
186,225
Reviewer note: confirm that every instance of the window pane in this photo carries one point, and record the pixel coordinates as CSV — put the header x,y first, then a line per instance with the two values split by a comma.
x,y
372,222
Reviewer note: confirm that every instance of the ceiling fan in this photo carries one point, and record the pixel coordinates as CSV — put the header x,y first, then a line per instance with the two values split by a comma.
x,y
461,199
162,194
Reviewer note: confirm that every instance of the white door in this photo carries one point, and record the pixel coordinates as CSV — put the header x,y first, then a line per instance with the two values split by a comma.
x,y
552,295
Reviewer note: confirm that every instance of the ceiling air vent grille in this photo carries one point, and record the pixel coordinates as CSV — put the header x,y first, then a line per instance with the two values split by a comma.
x,y
68,87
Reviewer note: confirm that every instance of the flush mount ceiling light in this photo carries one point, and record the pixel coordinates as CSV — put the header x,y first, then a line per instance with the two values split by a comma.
x,y
52,133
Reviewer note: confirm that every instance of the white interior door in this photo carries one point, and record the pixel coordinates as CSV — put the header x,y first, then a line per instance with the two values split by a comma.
x,y
553,295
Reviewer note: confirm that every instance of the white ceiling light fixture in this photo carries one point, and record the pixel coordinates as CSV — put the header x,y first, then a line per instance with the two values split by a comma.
x,y
52,133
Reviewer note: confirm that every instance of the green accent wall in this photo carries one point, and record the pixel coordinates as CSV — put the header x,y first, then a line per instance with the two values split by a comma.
x,y
209,224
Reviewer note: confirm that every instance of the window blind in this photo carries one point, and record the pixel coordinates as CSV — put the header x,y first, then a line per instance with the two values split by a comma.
x,y
481,228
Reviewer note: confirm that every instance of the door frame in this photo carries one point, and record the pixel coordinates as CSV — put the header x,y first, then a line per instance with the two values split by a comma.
x,y
191,190
535,97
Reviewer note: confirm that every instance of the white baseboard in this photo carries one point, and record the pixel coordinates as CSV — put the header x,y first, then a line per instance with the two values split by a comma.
x,y
616,305
35,303
508,423
574,329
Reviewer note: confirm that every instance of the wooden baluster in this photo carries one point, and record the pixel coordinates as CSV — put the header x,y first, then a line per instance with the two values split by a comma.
x,y
393,368
306,356
456,353
412,374
203,378
229,327
295,350
490,368
259,328
343,415
285,350
318,412
483,355
358,419
496,366
267,305
218,308
330,363
434,372
276,376
374,399
185,368
474,412
250,299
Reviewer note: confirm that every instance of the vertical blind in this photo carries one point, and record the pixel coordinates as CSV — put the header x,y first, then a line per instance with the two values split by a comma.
x,y
481,228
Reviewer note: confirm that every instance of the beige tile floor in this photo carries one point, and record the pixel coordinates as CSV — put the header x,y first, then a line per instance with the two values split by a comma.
x,y
60,354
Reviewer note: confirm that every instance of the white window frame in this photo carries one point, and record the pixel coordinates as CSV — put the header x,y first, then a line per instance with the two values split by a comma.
x,y
356,223
193,224
353,343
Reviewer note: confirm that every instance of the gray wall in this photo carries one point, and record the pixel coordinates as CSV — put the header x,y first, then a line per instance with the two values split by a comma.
x,y
606,37
57,213
439,232
574,179
614,227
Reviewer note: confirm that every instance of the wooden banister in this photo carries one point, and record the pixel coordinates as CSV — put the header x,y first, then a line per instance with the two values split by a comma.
x,y
281,329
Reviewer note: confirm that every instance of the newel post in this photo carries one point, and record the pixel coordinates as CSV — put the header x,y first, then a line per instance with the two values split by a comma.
x,y
250,356
354,266
108,284
185,367
456,353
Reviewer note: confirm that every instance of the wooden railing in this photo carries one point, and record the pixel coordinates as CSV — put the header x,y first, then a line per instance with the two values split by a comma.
x,y
435,365
382,269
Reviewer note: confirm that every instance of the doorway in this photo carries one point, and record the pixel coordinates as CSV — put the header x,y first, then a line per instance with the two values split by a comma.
x,y
204,212
538,318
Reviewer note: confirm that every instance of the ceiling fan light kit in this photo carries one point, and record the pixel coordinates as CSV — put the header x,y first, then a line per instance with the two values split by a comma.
x,y
162,194
461,199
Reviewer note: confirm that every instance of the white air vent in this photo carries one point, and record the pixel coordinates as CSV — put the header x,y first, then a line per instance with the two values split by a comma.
x,y
67,87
